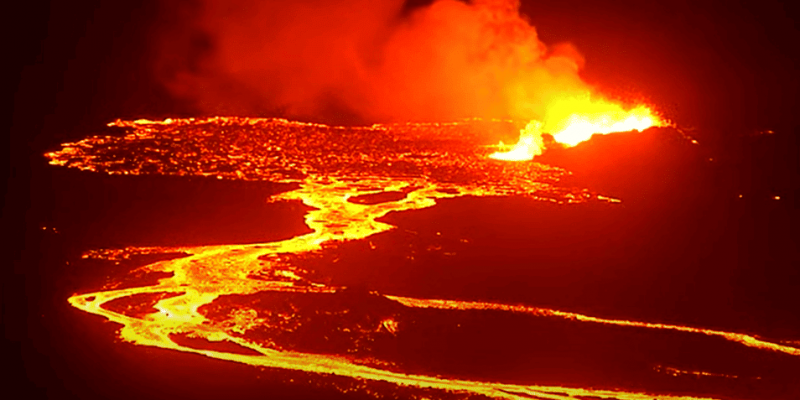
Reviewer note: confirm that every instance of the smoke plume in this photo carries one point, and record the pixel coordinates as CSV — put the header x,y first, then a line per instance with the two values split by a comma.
x,y
365,60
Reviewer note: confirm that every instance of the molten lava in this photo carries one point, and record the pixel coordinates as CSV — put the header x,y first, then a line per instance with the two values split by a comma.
x,y
574,120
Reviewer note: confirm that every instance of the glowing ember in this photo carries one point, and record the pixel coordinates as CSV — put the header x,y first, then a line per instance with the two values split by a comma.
x,y
575,120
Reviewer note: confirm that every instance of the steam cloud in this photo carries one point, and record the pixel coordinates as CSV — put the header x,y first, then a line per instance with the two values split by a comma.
x,y
366,60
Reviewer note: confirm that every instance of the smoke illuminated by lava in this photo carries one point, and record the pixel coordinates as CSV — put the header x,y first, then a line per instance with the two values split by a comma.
x,y
375,61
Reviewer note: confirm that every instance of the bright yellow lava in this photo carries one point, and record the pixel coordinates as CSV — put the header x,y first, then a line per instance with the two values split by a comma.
x,y
575,120
213,271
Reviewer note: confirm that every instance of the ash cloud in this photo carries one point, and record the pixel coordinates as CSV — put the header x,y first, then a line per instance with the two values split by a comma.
x,y
363,60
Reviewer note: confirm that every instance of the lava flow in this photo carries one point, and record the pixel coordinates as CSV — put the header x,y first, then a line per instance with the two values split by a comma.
x,y
256,304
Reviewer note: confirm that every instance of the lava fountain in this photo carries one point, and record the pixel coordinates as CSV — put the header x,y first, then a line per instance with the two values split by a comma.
x,y
572,121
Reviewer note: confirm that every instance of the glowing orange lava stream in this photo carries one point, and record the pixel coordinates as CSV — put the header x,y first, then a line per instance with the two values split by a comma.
x,y
213,271
747,340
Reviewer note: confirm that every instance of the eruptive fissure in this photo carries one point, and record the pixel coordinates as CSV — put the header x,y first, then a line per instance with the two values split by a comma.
x,y
576,120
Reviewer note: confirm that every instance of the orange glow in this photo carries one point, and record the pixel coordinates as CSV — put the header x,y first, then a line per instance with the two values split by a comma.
x,y
575,120
572,121
378,60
